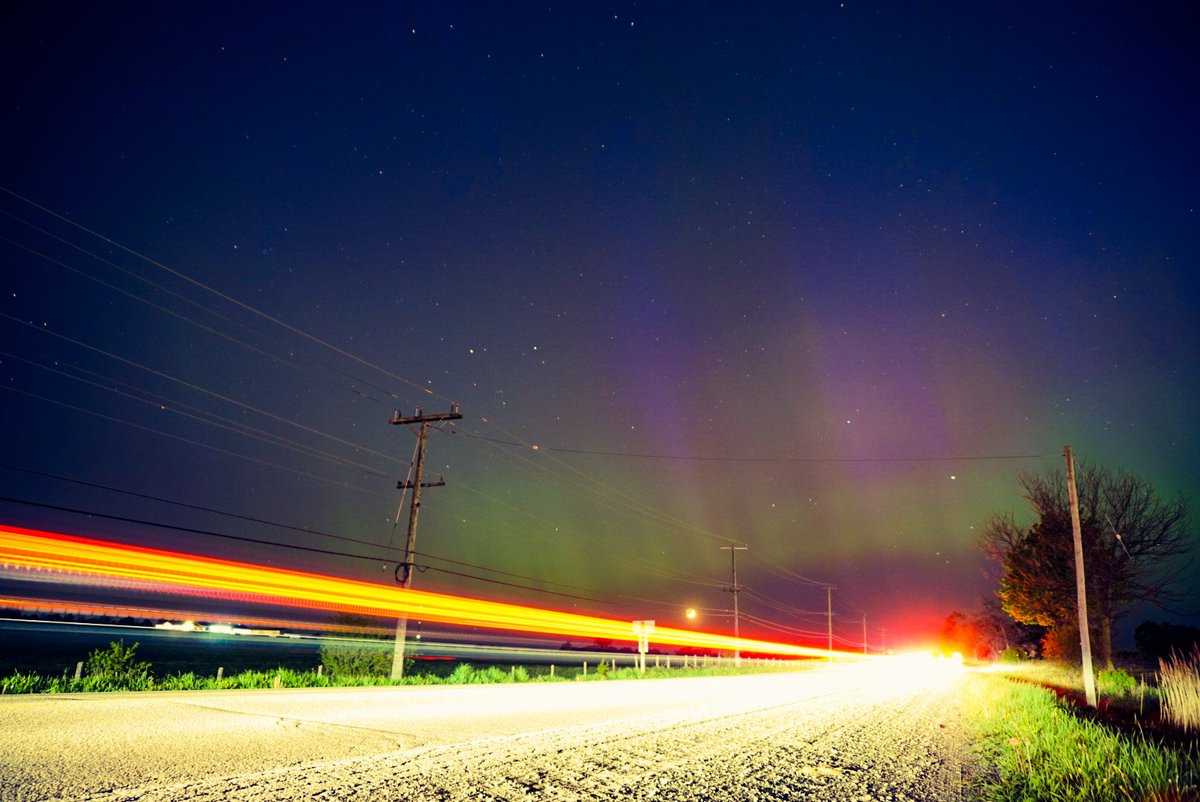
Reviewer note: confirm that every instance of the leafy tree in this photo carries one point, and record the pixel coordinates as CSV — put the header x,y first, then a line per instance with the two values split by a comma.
x,y
998,632
987,633
1157,641
1131,542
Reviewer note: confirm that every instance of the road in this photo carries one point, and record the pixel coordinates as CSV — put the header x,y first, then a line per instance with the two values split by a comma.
x,y
878,731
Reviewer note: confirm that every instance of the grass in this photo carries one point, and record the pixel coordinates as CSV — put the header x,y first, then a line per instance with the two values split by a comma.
x,y
463,674
1115,687
1040,750
1179,688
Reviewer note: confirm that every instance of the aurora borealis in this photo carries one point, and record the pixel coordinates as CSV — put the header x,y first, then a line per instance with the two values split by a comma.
x,y
815,278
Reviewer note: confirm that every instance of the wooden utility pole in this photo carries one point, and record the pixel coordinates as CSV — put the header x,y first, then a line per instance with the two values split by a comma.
x,y
405,574
1085,636
734,589
829,607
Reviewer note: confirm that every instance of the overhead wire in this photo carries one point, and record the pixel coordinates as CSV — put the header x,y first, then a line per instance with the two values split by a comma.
x,y
636,507
225,297
179,408
263,542
581,490
626,498
173,313
206,309
195,387
710,458
641,508
189,441
267,522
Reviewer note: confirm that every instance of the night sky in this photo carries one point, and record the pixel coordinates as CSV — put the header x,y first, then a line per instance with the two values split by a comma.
x,y
817,278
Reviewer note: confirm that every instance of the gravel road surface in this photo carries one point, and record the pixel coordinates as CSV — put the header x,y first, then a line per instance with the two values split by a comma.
x,y
883,731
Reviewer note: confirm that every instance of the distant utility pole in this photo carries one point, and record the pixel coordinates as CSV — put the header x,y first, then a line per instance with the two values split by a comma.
x,y
829,589
734,588
1085,637
414,510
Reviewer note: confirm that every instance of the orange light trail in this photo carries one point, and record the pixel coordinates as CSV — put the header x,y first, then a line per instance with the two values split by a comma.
x,y
49,551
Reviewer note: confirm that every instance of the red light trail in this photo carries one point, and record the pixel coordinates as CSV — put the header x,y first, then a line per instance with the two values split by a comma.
x,y
48,551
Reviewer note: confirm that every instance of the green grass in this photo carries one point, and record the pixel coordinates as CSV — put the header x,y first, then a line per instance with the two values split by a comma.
x,y
1039,750
463,674
1115,686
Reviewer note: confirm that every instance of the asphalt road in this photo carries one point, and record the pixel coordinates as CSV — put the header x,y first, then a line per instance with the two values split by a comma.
x,y
887,731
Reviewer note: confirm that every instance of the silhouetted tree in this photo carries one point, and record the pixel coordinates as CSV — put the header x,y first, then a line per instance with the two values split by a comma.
x,y
1131,542
1157,641
998,631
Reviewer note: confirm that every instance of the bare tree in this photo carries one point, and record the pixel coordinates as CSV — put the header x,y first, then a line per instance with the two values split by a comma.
x,y
1132,542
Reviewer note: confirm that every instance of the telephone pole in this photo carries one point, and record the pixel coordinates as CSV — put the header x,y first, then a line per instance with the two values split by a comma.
x,y
1085,636
405,572
829,589
734,588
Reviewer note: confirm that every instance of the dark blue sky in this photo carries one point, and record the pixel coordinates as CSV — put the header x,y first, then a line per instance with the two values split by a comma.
x,y
763,231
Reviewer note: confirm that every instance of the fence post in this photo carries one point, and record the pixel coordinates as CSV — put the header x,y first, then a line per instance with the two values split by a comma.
x,y
552,669
78,670
585,668
220,673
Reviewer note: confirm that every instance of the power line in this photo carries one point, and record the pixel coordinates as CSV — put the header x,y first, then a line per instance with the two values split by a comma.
x,y
782,628
171,312
228,298
198,388
781,607
189,441
209,418
799,460
293,546
675,574
618,497
277,524
792,575
633,507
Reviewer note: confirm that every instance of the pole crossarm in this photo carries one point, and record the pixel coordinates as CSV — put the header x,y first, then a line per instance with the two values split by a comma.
x,y
408,485
436,417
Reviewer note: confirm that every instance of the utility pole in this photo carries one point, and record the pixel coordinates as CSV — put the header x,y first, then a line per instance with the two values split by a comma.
x,y
829,589
864,633
734,589
405,574
1085,636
